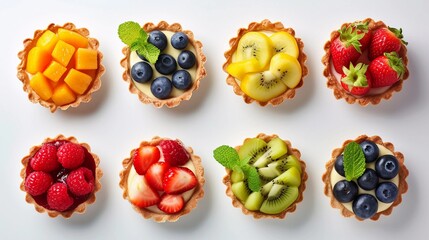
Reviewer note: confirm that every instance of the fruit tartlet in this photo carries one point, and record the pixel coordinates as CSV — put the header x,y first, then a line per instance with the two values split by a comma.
x,y
61,176
365,62
365,178
163,63
61,66
265,176
162,179
266,63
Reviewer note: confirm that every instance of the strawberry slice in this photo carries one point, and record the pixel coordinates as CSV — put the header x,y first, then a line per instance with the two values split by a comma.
x,y
144,157
174,153
140,193
171,203
155,175
178,180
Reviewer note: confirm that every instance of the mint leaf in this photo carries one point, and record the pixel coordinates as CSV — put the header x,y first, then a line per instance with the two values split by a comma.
x,y
227,156
143,34
253,180
149,51
354,161
129,32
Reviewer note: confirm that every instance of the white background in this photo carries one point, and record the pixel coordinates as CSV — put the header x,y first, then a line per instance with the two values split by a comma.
x,y
115,121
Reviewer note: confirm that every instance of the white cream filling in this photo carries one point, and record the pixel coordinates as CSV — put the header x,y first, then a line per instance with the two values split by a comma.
x,y
335,177
145,87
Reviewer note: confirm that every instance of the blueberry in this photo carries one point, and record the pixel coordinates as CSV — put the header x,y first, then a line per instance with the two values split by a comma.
x,y
166,64
161,87
370,150
141,72
386,192
339,165
158,39
365,206
387,166
368,180
186,59
182,79
179,40
345,191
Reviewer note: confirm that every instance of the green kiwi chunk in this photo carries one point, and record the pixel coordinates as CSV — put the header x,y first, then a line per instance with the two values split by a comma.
x,y
283,200
286,162
241,190
291,177
254,201
252,149
268,173
237,176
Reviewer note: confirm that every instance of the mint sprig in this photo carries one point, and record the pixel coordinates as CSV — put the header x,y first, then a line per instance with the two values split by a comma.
x,y
354,161
132,34
228,157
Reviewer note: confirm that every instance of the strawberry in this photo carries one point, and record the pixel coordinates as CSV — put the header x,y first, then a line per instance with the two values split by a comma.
x,y
174,153
144,157
80,181
356,80
362,28
171,203
385,40
386,70
140,193
71,155
45,159
155,174
178,180
37,183
59,198
346,48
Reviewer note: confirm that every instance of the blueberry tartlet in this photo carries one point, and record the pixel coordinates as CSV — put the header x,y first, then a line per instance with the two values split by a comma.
x,y
365,178
61,176
163,63
265,176
266,63
162,179
60,66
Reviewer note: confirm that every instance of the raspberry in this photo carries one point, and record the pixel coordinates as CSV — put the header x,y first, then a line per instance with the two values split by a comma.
x,y
80,181
174,153
37,183
59,198
45,159
70,155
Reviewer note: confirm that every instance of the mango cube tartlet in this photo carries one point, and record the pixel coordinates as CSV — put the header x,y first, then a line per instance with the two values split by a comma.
x,y
60,67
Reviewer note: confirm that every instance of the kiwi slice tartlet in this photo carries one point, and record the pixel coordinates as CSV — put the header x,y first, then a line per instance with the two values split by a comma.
x,y
265,176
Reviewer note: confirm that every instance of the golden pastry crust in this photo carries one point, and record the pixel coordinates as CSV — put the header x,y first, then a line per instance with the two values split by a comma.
x,y
24,77
81,207
403,173
256,214
265,25
198,193
335,85
200,72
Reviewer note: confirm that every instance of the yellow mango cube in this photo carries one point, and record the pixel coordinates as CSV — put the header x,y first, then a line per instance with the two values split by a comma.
x,y
47,41
73,38
37,60
63,52
40,84
86,59
78,81
54,71
63,95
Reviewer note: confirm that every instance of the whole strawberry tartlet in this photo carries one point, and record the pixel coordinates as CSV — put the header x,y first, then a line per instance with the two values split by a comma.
x,y
365,62
61,176
61,66
163,63
266,63
365,178
162,179
265,176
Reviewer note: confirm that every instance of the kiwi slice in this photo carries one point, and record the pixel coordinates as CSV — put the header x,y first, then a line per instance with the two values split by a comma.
x,y
262,86
284,163
257,45
254,201
277,148
286,43
275,191
279,203
237,176
287,69
252,149
266,188
268,173
291,177
241,190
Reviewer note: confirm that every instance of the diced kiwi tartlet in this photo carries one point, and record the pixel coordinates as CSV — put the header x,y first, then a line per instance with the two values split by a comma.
x,y
265,176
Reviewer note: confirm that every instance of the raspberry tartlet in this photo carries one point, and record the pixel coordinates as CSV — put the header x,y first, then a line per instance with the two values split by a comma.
x,y
266,63
60,66
365,178
162,179
365,62
163,63
265,176
61,176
